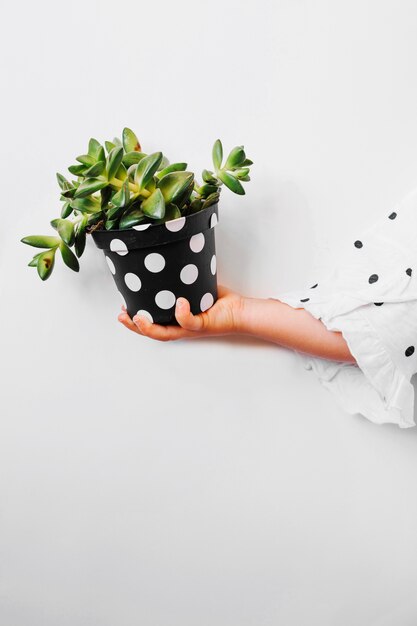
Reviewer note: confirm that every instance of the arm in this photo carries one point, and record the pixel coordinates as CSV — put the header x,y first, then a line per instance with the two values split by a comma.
x,y
267,319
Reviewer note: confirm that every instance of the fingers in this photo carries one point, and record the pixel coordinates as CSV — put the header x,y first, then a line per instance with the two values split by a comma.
x,y
142,326
185,318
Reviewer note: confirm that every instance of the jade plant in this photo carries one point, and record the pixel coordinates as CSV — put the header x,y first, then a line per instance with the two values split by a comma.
x,y
118,186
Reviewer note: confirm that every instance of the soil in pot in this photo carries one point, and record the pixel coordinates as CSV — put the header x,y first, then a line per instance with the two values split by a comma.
x,y
154,264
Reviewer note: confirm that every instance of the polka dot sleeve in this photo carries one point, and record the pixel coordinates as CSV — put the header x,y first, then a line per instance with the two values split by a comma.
x,y
371,298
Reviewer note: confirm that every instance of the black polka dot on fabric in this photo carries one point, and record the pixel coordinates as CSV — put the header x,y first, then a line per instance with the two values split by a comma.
x,y
378,303
314,286
373,278
358,244
304,299
409,271
409,351
393,215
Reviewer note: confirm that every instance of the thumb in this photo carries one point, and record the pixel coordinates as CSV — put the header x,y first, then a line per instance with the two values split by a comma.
x,y
185,318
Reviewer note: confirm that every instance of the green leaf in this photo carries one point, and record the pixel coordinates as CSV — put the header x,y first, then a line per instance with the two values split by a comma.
x,y
121,173
131,218
62,181
106,194
45,263
146,168
235,158
65,230
69,193
172,212
217,154
246,162
69,257
34,261
154,206
77,170
174,185
122,197
41,241
163,164
196,205
132,158
209,177
231,182
130,141
113,161
90,186
85,159
95,170
174,167
206,189
66,210
109,145
212,199
90,204
110,224
94,148
241,173
80,237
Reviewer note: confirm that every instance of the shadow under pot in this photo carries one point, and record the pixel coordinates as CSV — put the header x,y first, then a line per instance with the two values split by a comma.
x,y
154,264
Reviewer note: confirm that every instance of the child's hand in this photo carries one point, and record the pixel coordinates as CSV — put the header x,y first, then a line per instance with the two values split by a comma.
x,y
221,319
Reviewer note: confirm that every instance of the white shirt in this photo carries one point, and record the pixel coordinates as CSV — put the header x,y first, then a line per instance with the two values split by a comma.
x,y
371,298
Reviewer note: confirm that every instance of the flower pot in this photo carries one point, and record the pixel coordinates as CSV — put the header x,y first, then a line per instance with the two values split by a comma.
x,y
153,264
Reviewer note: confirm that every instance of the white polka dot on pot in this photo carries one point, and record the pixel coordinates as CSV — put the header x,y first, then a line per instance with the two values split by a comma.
x,y
118,246
175,225
189,274
123,300
213,220
141,227
165,299
133,281
206,301
213,264
197,242
111,265
146,314
154,262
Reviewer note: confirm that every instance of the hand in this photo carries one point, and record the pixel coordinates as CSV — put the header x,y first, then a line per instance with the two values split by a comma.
x,y
221,319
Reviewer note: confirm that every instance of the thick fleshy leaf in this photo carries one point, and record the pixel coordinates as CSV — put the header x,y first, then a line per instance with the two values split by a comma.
x,y
86,159
231,182
172,212
94,148
95,170
206,189
66,210
77,170
34,261
131,218
45,263
174,185
217,154
212,199
69,257
80,237
209,177
121,173
146,168
109,145
90,204
122,197
174,167
90,186
241,173
154,206
62,181
132,158
65,230
163,164
130,141
235,158
113,161
110,224
246,163
41,241
106,194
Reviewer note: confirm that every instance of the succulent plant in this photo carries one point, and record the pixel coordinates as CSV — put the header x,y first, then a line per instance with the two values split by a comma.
x,y
117,186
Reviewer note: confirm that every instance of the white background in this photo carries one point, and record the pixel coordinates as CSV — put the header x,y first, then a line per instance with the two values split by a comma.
x,y
210,482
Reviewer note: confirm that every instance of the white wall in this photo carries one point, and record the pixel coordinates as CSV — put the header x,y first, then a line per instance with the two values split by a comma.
x,y
211,482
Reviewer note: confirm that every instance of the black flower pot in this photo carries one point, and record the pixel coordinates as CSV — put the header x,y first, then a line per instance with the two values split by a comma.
x,y
154,264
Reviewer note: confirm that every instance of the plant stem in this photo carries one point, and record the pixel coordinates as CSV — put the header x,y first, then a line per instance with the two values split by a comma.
x,y
115,182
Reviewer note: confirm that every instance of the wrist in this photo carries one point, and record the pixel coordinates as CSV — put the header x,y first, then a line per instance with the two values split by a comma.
x,y
243,322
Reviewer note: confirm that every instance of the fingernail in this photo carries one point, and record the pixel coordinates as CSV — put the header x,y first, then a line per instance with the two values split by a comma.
x,y
180,302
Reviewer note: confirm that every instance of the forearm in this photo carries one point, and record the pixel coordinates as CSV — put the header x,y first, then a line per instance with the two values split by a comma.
x,y
280,323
